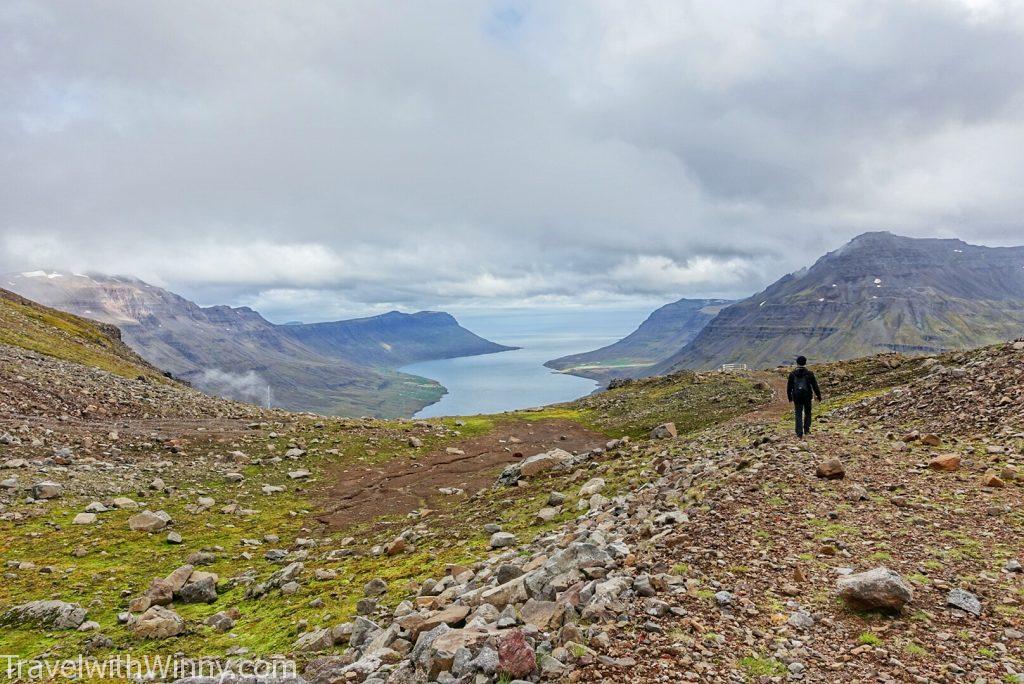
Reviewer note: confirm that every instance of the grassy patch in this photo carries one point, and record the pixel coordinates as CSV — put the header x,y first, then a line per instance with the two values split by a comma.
x,y
869,639
756,666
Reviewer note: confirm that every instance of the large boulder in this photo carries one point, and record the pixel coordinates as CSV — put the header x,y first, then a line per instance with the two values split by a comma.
x,y
516,658
158,623
440,656
947,462
148,521
664,431
49,614
317,640
500,540
541,462
544,615
46,490
876,589
201,589
502,595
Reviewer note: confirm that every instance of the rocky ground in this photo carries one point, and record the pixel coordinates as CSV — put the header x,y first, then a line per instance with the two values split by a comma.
x,y
717,549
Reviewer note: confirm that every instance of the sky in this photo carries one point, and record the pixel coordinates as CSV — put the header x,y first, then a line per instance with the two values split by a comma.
x,y
322,159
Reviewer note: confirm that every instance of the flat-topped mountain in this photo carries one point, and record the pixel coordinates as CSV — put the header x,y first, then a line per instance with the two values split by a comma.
x,y
657,338
393,339
344,368
879,292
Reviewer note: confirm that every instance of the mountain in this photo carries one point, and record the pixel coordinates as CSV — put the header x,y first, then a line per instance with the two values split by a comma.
x,y
879,292
235,352
393,339
57,334
662,334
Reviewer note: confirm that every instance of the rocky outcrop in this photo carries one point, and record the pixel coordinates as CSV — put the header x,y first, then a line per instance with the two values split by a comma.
x,y
48,614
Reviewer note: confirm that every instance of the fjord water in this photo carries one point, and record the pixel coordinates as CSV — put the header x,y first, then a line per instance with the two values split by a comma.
x,y
511,380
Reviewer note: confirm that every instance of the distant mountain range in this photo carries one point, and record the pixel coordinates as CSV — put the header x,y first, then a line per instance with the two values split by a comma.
x,y
657,338
879,292
341,368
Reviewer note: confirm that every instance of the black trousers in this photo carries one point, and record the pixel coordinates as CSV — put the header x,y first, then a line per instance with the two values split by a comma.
x,y
802,409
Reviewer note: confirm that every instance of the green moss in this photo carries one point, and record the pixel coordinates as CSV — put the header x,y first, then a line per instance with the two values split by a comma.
x,y
756,666
869,639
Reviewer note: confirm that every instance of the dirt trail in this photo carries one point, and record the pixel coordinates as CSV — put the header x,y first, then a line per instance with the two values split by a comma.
x,y
401,485
774,409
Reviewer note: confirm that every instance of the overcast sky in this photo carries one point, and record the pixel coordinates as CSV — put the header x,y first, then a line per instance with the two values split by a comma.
x,y
315,159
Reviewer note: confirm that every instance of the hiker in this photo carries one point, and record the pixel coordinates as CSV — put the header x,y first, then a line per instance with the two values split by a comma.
x,y
800,389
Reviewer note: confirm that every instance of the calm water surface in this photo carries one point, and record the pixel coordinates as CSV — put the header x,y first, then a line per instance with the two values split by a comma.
x,y
518,379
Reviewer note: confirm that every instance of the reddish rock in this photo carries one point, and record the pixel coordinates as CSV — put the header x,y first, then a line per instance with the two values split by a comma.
x,y
990,479
515,657
831,469
945,462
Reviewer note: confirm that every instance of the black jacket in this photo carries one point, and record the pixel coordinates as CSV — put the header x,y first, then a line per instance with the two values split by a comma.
x,y
811,380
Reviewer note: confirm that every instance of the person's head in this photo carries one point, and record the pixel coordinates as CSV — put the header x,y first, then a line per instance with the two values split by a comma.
x,y
801,360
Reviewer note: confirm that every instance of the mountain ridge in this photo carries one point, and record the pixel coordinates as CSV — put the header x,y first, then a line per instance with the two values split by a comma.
x,y
235,352
879,292
658,336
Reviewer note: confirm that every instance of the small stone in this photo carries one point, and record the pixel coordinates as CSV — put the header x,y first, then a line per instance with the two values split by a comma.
x,y
173,538
990,479
964,600
801,620
84,519
375,587
593,486
397,546
500,540
831,469
546,515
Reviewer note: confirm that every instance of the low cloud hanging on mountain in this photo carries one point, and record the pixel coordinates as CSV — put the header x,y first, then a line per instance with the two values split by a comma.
x,y
321,158
247,386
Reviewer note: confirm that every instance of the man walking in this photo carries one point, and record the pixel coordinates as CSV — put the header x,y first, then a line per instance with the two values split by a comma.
x,y
800,389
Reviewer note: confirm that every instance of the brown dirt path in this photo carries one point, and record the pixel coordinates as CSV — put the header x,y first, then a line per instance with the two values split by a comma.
x,y
402,485
774,409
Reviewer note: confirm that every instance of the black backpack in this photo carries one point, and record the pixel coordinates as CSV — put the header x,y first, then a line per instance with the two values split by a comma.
x,y
801,385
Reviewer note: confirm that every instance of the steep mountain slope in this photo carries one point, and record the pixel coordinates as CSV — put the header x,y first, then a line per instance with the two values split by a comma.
x,y
393,339
235,352
657,338
880,292
40,329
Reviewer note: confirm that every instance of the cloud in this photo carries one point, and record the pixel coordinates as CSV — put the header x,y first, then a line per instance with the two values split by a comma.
x,y
354,156
248,386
